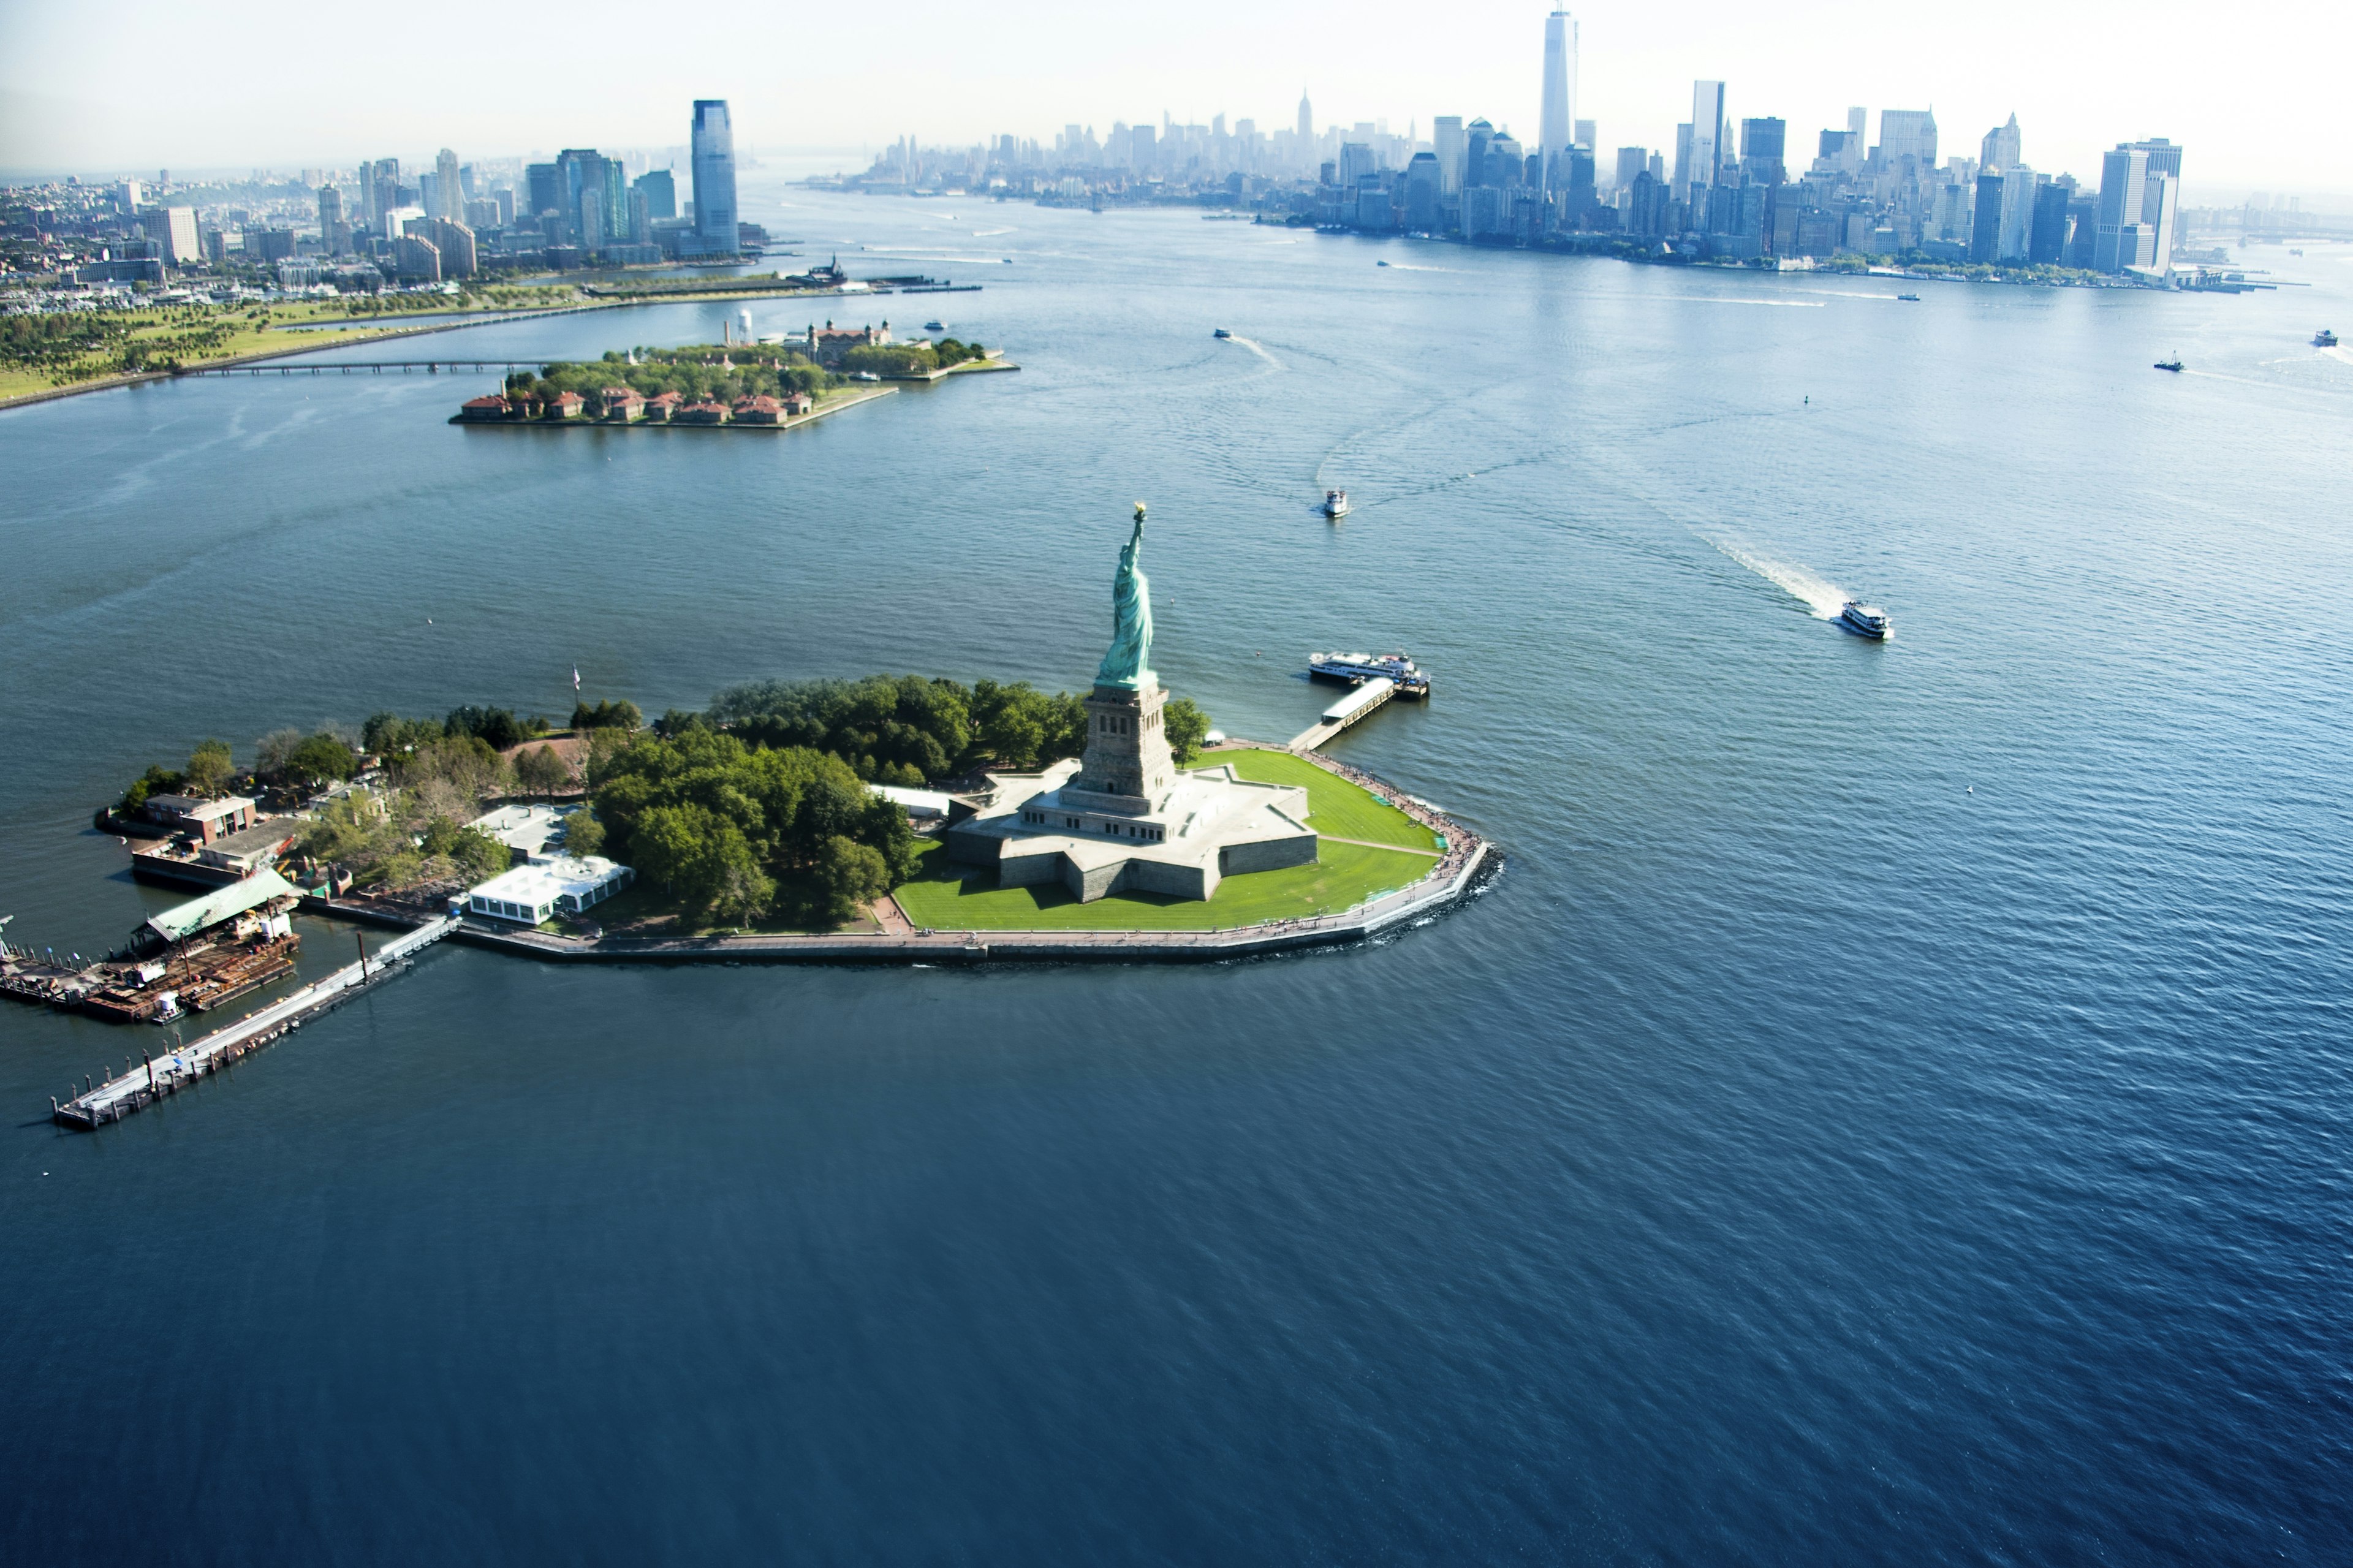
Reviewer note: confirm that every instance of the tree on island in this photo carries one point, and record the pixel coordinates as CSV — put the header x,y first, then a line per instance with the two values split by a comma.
x,y
1185,725
540,770
607,715
210,768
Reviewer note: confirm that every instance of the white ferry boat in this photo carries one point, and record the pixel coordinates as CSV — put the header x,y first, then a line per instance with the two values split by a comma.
x,y
1864,620
1336,503
1411,680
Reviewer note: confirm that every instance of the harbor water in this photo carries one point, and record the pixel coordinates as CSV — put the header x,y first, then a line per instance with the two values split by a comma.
x,y
1892,1109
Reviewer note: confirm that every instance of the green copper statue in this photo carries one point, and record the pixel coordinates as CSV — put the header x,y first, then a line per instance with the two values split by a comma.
x,y
1131,598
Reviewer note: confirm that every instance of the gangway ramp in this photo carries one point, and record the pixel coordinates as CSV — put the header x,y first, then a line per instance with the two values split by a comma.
x,y
1362,699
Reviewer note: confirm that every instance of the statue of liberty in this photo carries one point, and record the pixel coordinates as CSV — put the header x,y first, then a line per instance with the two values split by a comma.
x,y
1131,598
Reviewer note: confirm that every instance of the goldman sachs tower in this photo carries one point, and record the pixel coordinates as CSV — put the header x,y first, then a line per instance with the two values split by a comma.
x,y
1558,128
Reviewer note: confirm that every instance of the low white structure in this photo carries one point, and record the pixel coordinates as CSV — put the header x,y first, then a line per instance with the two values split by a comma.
x,y
561,884
920,804
525,830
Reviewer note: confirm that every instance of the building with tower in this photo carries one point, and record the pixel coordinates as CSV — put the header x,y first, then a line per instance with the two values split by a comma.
x,y
1557,127
448,188
2000,149
1123,817
714,179
1903,134
1707,148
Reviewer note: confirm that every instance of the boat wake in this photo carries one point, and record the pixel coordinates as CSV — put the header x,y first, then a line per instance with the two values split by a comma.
x,y
1823,598
1257,348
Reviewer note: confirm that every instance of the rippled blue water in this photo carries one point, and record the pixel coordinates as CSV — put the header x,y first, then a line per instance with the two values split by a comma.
x,y
1892,1110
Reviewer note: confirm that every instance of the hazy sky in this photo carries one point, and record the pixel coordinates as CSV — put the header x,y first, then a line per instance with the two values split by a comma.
x,y
138,84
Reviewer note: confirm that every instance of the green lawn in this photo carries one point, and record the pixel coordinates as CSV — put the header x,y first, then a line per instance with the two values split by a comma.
x,y
1346,875
1334,806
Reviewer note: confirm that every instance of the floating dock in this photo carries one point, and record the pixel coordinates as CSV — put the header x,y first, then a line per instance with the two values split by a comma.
x,y
161,1077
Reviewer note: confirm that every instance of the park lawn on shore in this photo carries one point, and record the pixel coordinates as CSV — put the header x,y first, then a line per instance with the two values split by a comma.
x,y
1335,807
945,896
246,336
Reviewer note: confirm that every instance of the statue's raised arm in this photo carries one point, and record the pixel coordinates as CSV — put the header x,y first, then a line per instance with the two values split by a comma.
x,y
1131,597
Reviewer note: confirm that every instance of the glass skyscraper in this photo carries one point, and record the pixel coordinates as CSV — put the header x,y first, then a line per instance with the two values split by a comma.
x,y
714,178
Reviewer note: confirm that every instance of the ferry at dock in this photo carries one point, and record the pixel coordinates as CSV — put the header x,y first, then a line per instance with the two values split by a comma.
x,y
1411,680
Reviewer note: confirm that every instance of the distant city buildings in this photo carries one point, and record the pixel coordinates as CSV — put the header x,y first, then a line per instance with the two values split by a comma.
x,y
1755,190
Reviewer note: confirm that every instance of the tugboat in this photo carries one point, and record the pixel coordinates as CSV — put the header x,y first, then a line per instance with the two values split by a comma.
x,y
1335,504
1865,620
1349,669
2324,339
2173,364
1221,333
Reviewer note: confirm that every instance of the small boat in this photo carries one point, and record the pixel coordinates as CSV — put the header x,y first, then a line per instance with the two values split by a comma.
x,y
1380,263
1221,333
1914,298
1864,620
2173,364
935,326
863,375
2324,339
1336,503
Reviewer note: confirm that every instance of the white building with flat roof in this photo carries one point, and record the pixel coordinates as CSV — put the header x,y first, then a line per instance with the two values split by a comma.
x,y
560,885
525,830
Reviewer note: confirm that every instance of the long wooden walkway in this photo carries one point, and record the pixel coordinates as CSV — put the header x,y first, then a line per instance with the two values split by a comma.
x,y
377,366
158,1077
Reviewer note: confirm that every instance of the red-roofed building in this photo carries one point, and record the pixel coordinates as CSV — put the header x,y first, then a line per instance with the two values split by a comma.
x,y
622,402
700,413
827,343
566,405
797,403
663,406
759,411
486,409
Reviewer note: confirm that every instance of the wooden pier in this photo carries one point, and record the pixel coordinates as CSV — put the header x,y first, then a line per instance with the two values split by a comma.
x,y
157,1078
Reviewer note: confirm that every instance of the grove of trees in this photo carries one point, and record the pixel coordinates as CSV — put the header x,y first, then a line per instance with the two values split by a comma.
x,y
732,831
712,371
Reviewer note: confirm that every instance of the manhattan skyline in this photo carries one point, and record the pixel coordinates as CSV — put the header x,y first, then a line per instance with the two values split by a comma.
x,y
2077,90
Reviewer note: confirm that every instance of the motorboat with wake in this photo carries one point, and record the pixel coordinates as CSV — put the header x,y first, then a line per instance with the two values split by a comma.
x,y
1335,504
2324,339
2173,364
1865,620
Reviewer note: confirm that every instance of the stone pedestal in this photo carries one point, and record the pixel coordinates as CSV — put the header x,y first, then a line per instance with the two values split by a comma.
x,y
1127,766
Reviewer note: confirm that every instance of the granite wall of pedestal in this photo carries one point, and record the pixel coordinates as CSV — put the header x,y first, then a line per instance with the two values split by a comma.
x,y
1267,854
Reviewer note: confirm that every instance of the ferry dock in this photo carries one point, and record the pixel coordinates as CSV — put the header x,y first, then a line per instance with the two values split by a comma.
x,y
158,1078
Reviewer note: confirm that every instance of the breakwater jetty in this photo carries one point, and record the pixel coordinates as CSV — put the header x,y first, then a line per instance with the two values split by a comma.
x,y
160,1077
